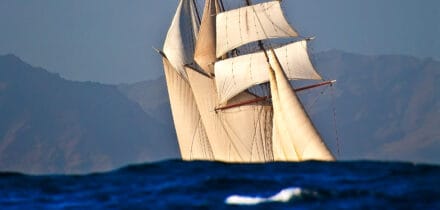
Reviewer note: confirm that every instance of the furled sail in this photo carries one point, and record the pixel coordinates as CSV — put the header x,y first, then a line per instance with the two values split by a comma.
x,y
252,23
237,74
300,131
205,47
239,134
180,40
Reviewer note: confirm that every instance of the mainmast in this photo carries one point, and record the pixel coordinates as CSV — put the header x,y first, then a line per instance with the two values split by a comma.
x,y
260,43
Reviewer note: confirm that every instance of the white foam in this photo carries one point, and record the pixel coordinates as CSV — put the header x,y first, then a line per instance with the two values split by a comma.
x,y
243,200
283,196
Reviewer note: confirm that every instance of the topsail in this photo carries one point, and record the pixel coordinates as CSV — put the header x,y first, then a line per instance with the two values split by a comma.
x,y
252,23
180,40
205,47
237,74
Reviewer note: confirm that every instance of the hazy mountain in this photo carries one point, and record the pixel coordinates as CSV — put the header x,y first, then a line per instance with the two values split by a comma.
x,y
152,96
387,107
52,125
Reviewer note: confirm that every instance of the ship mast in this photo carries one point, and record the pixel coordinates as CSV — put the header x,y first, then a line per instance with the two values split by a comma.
x,y
260,43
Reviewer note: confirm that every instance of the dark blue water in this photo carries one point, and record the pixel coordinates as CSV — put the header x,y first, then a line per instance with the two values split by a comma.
x,y
208,185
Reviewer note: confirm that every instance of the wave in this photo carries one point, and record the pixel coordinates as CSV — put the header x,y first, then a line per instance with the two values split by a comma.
x,y
179,184
283,196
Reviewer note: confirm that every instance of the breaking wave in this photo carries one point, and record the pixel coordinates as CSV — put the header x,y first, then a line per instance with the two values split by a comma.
x,y
283,196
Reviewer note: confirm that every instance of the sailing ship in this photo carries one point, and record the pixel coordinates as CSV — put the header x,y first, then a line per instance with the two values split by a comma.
x,y
228,75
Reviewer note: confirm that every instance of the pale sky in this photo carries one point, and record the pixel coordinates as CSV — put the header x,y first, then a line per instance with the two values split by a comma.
x,y
110,41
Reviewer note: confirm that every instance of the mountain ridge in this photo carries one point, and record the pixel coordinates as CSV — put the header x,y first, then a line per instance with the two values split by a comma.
x,y
387,108
52,125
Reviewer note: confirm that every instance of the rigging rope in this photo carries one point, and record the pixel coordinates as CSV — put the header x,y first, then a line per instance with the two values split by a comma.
x,y
316,99
335,126
197,11
334,119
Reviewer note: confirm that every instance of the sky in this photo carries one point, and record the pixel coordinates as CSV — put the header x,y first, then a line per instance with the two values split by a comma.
x,y
110,41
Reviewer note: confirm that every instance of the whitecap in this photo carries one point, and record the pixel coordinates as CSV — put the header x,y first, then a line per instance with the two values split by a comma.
x,y
283,196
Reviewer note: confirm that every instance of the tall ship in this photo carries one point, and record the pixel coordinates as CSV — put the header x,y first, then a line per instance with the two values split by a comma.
x,y
228,72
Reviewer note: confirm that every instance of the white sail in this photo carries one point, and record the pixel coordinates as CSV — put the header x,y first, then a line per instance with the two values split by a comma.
x,y
178,51
180,40
246,129
240,134
237,74
248,24
191,135
302,134
283,148
205,47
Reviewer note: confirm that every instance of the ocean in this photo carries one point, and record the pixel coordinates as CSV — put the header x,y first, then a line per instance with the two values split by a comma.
x,y
176,184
